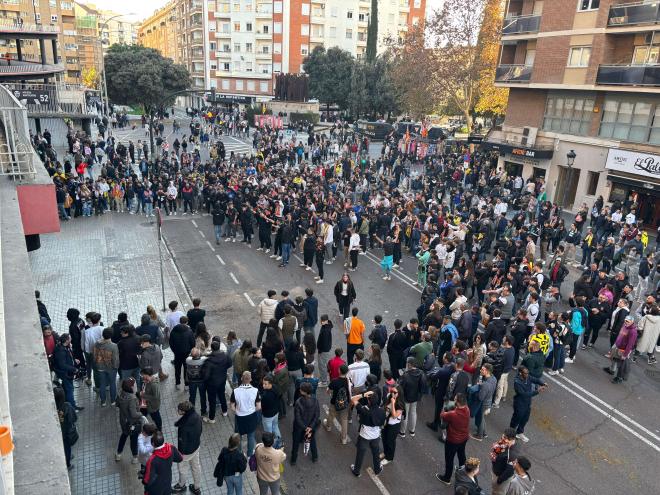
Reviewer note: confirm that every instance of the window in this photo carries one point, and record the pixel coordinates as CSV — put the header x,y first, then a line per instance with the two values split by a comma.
x,y
237,7
592,183
588,4
417,4
349,34
237,27
390,18
265,29
239,84
250,86
237,66
579,56
66,5
225,84
263,87
304,29
349,14
277,48
214,66
248,47
631,120
226,66
277,67
362,17
212,46
226,48
568,114
265,49
305,9
333,11
333,32
304,49
277,8
53,18
264,69
646,55
248,27
225,27
52,3
248,66
415,21
277,27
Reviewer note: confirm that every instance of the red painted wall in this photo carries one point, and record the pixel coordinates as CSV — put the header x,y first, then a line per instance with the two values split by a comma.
x,y
38,208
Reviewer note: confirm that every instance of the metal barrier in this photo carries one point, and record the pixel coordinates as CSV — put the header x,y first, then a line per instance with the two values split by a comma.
x,y
17,156
21,67
55,99
17,25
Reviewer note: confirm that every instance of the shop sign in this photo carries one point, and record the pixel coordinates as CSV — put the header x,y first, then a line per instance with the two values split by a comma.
x,y
633,162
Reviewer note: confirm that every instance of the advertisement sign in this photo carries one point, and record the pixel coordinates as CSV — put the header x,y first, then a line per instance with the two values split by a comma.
x,y
32,96
633,162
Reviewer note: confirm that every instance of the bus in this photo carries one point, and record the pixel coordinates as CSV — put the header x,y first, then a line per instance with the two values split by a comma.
x,y
373,130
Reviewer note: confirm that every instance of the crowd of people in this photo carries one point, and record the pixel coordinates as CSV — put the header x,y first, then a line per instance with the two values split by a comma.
x,y
492,258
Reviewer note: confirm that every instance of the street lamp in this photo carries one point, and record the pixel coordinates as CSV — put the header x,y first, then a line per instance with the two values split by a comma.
x,y
570,160
106,106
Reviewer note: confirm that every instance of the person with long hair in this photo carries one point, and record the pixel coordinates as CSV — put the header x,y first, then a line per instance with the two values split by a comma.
x,y
394,408
272,345
130,419
375,361
67,416
202,339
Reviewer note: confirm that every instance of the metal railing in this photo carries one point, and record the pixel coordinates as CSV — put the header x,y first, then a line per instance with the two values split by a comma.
x,y
17,156
521,24
21,67
629,75
513,73
18,26
634,13
56,98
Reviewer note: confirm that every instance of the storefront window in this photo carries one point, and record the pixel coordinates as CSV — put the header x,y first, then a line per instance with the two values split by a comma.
x,y
618,192
568,114
655,130
631,120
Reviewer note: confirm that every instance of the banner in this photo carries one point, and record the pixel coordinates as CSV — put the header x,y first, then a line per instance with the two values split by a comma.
x,y
633,162
272,121
32,96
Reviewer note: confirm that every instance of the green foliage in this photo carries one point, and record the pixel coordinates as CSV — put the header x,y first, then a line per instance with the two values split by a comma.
x,y
295,117
372,33
137,75
330,75
256,109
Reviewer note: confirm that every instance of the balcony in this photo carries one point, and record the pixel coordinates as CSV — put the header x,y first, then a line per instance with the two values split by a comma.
x,y
27,70
630,14
524,24
513,73
629,75
262,36
262,55
13,26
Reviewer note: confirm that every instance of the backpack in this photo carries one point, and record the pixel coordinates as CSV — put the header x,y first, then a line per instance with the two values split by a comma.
x,y
341,400
546,282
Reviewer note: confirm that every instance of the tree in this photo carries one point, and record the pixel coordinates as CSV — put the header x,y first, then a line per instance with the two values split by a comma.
x,y
329,75
492,101
372,33
138,75
382,94
358,92
90,78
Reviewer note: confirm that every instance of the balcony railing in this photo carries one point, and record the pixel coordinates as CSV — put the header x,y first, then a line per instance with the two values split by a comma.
x,y
52,99
521,24
513,73
15,68
634,13
629,75
16,26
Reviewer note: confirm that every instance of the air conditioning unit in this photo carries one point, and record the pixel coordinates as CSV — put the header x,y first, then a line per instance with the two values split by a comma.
x,y
529,136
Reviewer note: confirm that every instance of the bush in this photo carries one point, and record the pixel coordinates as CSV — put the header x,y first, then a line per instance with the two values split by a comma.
x,y
297,117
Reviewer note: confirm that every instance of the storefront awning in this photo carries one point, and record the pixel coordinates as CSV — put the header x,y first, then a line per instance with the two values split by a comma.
x,y
521,151
650,186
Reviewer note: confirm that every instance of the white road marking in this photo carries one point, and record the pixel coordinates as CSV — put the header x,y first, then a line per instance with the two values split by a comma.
x,y
233,277
249,299
300,259
212,248
219,258
605,413
612,409
379,484
335,422
201,233
194,223
375,261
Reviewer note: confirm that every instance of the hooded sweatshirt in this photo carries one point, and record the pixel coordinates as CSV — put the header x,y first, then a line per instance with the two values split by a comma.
x,y
106,355
267,309
158,473
521,485
462,479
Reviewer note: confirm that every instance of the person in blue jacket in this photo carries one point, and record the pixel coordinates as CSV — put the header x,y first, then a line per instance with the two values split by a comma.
x,y
525,388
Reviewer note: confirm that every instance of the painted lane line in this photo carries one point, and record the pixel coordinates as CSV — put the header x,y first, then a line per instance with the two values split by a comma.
x,y
300,259
395,275
212,248
233,277
249,299
612,409
219,258
605,413
201,233
379,484
395,270
194,223
336,423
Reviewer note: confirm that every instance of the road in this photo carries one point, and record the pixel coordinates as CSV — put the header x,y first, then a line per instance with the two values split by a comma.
x,y
587,435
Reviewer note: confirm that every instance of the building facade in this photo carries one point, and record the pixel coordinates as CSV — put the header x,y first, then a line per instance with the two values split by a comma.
x,y
238,46
583,76
161,31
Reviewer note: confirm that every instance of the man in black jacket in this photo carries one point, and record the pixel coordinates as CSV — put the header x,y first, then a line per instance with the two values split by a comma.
x,y
323,348
196,314
182,341
396,344
496,329
189,433
64,367
129,348
440,379
306,414
412,383
157,478
214,372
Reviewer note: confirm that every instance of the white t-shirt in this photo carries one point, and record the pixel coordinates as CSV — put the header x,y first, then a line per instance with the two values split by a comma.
x,y
357,374
173,319
245,398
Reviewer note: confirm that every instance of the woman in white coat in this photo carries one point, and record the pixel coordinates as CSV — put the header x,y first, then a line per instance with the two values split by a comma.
x,y
649,326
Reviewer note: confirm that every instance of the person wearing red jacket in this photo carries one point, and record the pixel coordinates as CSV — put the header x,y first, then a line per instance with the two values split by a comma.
x,y
158,473
458,432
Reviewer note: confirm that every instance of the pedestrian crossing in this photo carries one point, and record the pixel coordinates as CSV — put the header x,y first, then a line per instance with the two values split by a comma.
x,y
238,146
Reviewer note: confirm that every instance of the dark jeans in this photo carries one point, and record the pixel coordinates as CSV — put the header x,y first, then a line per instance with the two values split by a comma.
x,y
573,346
298,438
134,442
354,258
213,392
319,266
362,445
389,435
344,306
193,387
262,329
520,417
451,450
67,453
593,332
350,351
308,258
158,421
67,385
180,361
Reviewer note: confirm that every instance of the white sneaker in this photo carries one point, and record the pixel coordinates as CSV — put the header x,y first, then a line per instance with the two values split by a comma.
x,y
234,239
361,253
272,256
569,360
328,262
561,371
319,281
521,436
278,258
553,373
317,278
302,264
385,277
384,462
228,239
267,251
395,266
260,249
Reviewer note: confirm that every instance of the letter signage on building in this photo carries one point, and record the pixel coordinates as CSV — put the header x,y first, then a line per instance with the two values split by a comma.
x,y
633,162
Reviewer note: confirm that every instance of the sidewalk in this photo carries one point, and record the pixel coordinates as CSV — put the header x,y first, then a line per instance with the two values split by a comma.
x,y
110,264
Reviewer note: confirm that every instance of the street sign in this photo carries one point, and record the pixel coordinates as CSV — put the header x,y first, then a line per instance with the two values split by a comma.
x,y
32,96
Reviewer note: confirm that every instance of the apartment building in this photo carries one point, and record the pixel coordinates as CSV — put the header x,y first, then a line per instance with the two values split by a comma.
x,y
583,76
237,46
161,31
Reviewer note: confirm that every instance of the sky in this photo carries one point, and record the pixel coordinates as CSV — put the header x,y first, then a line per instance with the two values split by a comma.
x,y
144,8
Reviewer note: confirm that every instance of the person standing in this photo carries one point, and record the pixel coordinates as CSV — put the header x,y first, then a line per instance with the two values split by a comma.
x,y
622,350
66,414
245,402
270,408
503,455
231,466
130,419
266,311
353,249
269,460
458,433
340,391
106,360
354,330
91,335
195,378
182,341
129,348
214,374
157,478
64,366
372,417
196,314
525,388
312,314
521,483
412,383
466,477
323,348
345,295
306,413
150,396
397,343
189,434
394,408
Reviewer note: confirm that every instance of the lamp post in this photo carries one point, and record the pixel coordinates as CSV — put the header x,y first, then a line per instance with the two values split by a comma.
x,y
570,160
105,83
